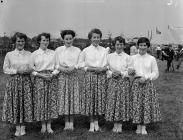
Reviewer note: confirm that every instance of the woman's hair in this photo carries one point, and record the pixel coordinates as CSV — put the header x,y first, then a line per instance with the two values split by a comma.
x,y
19,35
46,35
67,32
95,30
144,40
120,39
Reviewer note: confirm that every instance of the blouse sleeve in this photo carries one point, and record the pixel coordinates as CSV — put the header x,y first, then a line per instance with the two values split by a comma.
x,y
33,64
108,72
55,71
81,61
129,65
56,59
154,70
7,66
77,65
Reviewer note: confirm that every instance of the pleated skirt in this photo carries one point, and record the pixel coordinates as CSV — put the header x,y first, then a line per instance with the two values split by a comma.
x,y
18,99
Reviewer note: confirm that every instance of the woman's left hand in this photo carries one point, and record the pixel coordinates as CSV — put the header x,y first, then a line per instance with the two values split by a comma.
x,y
71,69
142,80
100,69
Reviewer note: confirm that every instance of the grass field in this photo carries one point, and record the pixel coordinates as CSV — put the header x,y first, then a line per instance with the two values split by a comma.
x,y
170,89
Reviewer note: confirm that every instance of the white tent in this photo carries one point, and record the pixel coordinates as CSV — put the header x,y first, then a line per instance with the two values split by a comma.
x,y
159,39
165,38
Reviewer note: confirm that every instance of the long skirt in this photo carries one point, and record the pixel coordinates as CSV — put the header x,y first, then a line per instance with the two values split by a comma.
x,y
45,98
68,93
18,100
117,103
93,97
145,106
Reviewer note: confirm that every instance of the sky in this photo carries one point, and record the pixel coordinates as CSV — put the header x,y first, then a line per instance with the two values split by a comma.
x,y
127,17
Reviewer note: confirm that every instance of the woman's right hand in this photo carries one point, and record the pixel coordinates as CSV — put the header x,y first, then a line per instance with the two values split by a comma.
x,y
47,77
131,72
68,69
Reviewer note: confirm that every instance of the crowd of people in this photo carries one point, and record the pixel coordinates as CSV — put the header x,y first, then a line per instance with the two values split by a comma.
x,y
45,84
168,53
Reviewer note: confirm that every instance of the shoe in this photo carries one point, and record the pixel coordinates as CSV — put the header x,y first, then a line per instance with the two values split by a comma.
x,y
144,132
71,126
138,131
22,130
114,129
119,128
43,129
49,130
96,126
66,126
91,127
17,133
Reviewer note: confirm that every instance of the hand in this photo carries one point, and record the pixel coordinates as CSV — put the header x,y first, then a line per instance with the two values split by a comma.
x,y
47,77
92,69
142,80
70,69
131,72
100,69
116,74
25,69
20,71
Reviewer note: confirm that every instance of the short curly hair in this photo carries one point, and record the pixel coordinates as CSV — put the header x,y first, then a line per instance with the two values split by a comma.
x,y
120,39
95,30
46,35
144,40
18,35
67,32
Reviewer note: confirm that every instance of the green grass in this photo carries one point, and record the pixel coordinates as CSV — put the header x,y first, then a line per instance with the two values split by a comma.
x,y
169,87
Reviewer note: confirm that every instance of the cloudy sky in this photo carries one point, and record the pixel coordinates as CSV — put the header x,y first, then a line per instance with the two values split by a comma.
x,y
128,17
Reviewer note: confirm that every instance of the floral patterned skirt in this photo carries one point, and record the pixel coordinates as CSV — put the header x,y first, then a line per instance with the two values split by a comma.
x,y
18,100
68,93
45,98
93,96
117,103
144,106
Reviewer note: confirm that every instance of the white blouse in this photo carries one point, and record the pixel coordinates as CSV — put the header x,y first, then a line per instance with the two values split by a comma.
x,y
93,57
119,62
16,59
67,56
43,60
145,65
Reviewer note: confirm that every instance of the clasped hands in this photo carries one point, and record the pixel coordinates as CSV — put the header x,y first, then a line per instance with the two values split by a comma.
x,y
131,72
25,69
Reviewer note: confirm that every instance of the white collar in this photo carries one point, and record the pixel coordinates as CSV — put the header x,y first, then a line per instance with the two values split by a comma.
x,y
121,54
19,52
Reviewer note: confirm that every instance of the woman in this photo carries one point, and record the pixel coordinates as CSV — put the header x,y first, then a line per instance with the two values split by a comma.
x,y
67,60
17,106
93,61
117,103
145,106
45,83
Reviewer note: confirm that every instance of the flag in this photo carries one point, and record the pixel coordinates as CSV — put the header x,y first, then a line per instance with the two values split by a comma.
x,y
157,31
151,36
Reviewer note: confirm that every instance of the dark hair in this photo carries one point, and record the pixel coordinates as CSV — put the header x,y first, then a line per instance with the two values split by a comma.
x,y
46,35
67,32
95,30
120,39
19,35
144,40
